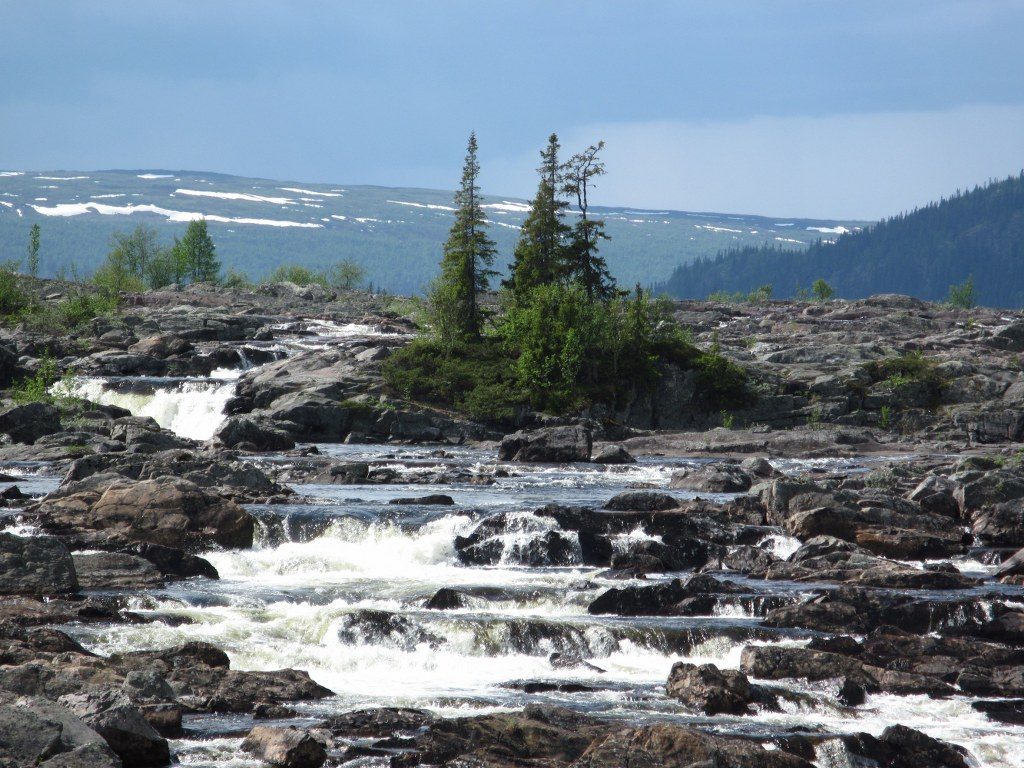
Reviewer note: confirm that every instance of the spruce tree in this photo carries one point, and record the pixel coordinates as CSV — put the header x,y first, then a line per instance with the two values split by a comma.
x,y
540,254
466,265
199,253
33,251
583,264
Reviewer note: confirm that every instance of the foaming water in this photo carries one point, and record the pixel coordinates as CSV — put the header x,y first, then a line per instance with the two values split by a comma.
x,y
192,408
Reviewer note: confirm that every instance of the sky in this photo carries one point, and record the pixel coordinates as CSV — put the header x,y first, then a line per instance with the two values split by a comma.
x,y
853,109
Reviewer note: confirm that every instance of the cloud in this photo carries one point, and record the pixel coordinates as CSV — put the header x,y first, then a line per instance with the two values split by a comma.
x,y
844,166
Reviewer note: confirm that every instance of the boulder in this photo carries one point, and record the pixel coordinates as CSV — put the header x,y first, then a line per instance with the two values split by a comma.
x,y
168,511
36,565
614,454
285,747
556,445
244,429
1000,525
712,478
641,501
433,499
37,732
115,570
28,422
112,715
707,689
161,346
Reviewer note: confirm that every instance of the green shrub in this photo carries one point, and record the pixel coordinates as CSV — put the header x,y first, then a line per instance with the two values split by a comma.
x,y
36,388
13,300
911,369
237,280
962,295
822,291
298,274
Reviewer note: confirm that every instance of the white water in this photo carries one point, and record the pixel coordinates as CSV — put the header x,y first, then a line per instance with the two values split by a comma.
x,y
193,408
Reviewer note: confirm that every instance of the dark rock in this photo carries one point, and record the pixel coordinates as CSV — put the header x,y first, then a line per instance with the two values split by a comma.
x,y
851,693
122,726
1001,525
445,599
243,429
175,563
641,501
435,499
707,689
285,747
916,749
115,570
27,423
558,445
37,565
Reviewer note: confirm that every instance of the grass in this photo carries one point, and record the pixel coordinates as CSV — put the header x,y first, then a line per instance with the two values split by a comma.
x,y
908,371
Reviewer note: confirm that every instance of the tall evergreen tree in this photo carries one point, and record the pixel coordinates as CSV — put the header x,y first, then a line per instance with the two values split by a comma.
x,y
539,257
583,264
466,265
199,253
33,251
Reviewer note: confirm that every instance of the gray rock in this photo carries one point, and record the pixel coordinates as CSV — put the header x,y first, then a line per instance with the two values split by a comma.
x,y
558,445
37,565
122,726
115,570
614,454
285,747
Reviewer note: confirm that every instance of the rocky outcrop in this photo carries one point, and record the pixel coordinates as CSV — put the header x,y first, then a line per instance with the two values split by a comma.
x,y
37,565
29,422
171,512
556,445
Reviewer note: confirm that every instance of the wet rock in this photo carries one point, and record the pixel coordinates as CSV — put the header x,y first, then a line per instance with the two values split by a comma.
x,y
379,722
29,422
759,467
35,732
446,599
1001,525
434,499
651,556
168,511
1012,566
115,570
557,445
614,454
175,563
851,693
37,565
641,501
285,747
144,435
915,748
122,726
519,539
243,429
1009,711
372,627
712,478
674,598
707,689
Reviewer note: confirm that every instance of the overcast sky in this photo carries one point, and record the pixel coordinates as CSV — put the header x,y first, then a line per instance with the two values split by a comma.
x,y
788,108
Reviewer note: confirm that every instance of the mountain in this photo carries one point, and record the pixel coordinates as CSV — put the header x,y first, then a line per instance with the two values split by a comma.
x,y
922,253
395,233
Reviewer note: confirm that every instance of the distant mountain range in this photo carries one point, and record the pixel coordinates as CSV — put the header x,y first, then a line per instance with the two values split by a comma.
x,y
395,233
978,234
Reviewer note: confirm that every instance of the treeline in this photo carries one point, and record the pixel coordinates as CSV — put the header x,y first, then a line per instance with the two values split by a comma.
x,y
565,338
922,253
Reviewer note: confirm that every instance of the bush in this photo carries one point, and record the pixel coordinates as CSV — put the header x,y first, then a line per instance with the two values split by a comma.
x,y
13,299
476,379
237,280
911,369
298,274
822,291
346,275
962,295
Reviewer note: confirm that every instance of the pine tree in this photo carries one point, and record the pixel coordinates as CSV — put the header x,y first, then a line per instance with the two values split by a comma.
x,y
466,264
199,253
540,254
33,251
583,264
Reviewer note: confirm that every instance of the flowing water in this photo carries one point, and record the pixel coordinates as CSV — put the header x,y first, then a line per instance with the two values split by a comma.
x,y
303,597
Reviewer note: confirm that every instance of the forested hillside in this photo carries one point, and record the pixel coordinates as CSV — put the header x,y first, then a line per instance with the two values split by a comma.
x,y
977,234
